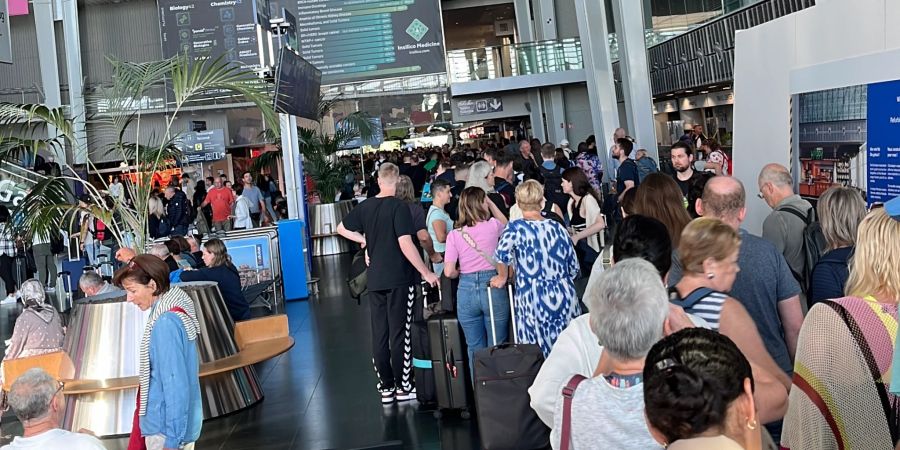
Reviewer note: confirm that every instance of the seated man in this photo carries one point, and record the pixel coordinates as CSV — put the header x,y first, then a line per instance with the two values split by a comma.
x,y
37,400
92,284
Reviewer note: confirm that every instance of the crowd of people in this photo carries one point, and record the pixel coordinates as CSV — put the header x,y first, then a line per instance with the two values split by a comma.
x,y
695,334
700,335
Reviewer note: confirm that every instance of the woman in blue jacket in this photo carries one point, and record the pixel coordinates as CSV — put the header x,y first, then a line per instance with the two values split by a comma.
x,y
169,412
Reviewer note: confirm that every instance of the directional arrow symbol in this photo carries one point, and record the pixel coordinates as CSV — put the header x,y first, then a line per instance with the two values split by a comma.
x,y
496,105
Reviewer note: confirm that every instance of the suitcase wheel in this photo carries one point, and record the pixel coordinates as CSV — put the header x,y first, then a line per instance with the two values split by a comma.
x,y
465,415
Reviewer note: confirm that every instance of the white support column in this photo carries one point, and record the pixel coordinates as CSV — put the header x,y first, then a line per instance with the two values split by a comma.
x,y
629,19
554,108
293,167
526,32
46,44
598,72
75,77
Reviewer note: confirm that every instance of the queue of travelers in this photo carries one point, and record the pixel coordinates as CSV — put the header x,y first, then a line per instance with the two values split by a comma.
x,y
695,334
698,334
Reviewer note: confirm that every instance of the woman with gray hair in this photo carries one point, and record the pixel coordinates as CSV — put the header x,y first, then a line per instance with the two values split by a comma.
x,y
840,211
629,307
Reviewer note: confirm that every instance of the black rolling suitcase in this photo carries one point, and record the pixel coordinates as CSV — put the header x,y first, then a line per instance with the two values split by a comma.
x,y
448,354
503,374
421,350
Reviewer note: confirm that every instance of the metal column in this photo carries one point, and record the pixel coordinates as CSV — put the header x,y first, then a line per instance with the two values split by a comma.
x,y
554,108
75,77
526,33
293,167
598,71
46,44
629,20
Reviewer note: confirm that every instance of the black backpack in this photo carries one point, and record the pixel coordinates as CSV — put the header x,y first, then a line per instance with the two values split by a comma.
x,y
553,190
814,245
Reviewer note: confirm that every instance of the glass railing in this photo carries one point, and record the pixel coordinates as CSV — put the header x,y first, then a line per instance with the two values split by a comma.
x,y
15,181
528,58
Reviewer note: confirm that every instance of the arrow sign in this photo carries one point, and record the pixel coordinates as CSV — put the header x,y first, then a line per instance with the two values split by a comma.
x,y
496,104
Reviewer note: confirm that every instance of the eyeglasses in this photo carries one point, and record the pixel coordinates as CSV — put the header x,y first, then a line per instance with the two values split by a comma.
x,y
760,195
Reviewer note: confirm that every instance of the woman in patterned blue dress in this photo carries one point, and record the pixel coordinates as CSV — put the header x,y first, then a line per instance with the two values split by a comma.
x,y
545,264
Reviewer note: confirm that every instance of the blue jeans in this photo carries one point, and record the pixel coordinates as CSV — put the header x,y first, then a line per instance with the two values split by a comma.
x,y
473,313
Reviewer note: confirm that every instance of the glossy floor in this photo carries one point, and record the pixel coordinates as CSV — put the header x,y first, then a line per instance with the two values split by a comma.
x,y
321,394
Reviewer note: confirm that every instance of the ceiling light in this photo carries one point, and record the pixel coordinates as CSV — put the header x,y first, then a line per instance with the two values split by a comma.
x,y
713,87
704,92
688,91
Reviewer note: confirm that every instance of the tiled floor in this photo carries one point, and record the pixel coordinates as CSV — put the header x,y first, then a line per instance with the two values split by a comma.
x,y
321,394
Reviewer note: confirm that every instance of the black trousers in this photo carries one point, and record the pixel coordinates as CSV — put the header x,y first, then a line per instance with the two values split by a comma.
x,y
7,271
391,341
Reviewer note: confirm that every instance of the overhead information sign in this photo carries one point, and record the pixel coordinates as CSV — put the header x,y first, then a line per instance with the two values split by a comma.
x,y
5,38
209,29
354,40
201,146
480,106
883,162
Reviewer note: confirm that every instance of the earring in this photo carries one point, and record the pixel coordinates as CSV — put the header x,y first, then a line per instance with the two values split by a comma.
x,y
752,424
710,275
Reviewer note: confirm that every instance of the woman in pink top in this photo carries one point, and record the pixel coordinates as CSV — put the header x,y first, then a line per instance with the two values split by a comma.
x,y
472,244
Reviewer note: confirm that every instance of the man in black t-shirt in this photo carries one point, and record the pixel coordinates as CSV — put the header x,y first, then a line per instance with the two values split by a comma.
x,y
682,156
627,176
383,225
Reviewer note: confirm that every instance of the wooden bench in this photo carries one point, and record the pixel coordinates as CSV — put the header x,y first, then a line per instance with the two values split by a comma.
x,y
257,340
57,364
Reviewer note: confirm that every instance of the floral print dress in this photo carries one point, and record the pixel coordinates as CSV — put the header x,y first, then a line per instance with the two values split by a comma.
x,y
592,167
545,264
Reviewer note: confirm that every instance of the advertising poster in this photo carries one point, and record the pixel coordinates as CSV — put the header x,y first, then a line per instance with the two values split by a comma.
x,y
352,40
253,259
210,29
883,168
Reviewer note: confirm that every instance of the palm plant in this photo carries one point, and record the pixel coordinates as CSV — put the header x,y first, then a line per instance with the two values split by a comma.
x,y
318,148
117,111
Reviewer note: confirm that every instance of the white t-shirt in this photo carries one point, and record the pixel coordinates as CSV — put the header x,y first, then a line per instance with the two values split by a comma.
x,y
56,439
605,417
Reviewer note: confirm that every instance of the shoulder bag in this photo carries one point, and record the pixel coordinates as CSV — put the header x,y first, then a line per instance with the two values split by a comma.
x,y
358,278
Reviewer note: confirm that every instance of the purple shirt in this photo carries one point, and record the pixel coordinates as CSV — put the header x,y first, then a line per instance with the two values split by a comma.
x,y
485,234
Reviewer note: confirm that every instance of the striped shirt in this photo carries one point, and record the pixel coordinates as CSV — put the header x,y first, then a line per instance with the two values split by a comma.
x,y
708,307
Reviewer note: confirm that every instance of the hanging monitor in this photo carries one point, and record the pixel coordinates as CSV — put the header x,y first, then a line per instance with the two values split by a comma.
x,y
297,85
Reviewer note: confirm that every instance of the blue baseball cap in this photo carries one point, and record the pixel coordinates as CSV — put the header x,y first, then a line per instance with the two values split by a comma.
x,y
892,207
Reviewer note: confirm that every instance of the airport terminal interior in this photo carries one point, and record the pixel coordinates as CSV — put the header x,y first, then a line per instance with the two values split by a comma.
x,y
449,224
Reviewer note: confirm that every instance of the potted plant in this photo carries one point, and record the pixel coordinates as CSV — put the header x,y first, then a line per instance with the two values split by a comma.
x,y
119,109
320,162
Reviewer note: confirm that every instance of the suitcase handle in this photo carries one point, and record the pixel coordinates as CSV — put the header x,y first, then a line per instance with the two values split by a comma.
x,y
512,312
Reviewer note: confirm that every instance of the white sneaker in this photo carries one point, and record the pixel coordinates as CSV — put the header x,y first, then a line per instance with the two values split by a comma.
x,y
9,300
50,290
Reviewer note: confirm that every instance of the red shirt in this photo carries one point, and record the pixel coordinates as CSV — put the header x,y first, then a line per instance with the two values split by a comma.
x,y
221,199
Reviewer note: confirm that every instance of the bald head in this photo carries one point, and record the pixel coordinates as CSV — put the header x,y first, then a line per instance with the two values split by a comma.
x,y
776,174
723,198
619,133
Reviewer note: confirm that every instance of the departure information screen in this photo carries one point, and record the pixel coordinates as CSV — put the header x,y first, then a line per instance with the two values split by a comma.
x,y
358,40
